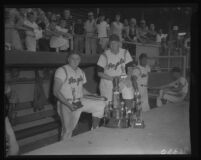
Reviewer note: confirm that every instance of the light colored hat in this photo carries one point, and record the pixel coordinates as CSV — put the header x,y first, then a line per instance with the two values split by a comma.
x,y
90,14
175,28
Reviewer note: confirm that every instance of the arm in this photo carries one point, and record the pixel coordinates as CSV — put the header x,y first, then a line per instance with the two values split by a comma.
x,y
56,90
105,76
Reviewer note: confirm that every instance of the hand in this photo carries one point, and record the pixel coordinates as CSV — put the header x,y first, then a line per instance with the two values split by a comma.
x,y
72,107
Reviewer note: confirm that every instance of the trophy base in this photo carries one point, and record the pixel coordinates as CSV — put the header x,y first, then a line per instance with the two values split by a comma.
x,y
116,123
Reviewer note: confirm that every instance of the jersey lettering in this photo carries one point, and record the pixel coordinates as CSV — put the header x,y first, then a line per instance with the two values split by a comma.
x,y
114,66
73,80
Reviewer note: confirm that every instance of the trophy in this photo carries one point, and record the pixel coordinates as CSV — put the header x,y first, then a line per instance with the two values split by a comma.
x,y
76,102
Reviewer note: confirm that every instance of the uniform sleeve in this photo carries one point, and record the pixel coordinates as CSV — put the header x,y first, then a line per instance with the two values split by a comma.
x,y
60,74
128,57
102,61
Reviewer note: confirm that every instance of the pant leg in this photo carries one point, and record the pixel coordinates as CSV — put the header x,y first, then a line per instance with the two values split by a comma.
x,y
93,45
81,44
69,120
173,98
144,98
87,45
76,43
106,89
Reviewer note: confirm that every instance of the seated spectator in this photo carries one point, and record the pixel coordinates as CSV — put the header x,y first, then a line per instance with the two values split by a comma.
x,y
12,19
33,33
79,36
142,32
175,91
151,34
57,41
103,31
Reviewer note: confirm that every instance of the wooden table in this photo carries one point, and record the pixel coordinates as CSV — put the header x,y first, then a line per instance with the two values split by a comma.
x,y
167,130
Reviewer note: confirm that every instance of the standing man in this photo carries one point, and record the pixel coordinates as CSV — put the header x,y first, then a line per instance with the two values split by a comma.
x,y
103,31
141,76
68,88
90,33
112,63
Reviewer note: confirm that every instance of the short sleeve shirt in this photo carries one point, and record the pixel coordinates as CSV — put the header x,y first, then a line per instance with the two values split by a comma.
x,y
72,83
102,29
114,65
184,83
142,74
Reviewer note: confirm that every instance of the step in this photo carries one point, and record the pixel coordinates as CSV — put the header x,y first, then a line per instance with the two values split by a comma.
x,y
37,130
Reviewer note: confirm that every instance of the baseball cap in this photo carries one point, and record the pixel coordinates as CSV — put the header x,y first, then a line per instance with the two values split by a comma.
x,y
90,14
114,37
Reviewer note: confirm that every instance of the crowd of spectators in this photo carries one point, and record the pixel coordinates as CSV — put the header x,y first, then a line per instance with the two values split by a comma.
x,y
32,29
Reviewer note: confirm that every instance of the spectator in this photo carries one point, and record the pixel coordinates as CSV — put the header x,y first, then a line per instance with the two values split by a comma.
x,y
173,40
108,20
117,27
12,19
125,29
57,41
131,36
79,36
90,33
33,33
151,35
49,15
103,31
69,20
43,23
142,32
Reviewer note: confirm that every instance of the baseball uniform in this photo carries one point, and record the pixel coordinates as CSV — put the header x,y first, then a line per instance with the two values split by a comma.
x,y
142,78
172,96
114,65
72,89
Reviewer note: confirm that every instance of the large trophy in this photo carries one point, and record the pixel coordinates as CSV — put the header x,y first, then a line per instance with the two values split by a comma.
x,y
125,108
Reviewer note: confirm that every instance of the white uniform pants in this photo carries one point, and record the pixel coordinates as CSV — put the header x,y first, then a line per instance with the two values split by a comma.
x,y
169,96
70,119
106,88
144,98
30,43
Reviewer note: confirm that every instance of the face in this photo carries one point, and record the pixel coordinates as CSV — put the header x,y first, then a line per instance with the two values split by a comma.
x,y
143,61
126,22
142,24
74,60
90,17
152,26
117,17
63,23
114,46
102,18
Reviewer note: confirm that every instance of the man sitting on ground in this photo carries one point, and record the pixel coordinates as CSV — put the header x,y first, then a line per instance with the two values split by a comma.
x,y
175,91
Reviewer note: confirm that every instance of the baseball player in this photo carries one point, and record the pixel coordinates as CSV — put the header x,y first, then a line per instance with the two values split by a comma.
x,y
112,63
175,91
141,74
68,88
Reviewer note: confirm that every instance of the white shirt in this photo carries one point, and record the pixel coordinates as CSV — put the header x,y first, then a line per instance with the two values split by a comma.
x,y
73,81
184,83
142,74
102,29
36,32
117,29
114,64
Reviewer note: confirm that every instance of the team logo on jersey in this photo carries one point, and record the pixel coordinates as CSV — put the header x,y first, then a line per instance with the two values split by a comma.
x,y
73,80
114,66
